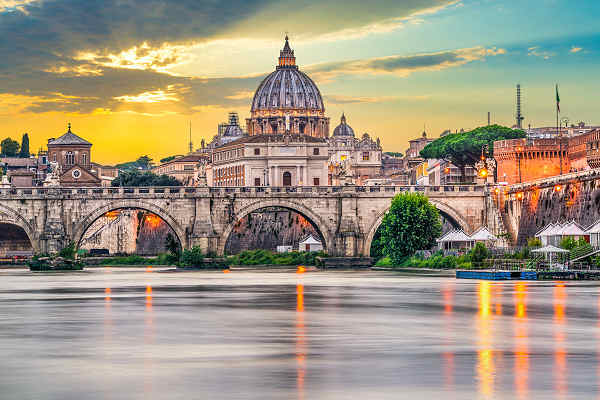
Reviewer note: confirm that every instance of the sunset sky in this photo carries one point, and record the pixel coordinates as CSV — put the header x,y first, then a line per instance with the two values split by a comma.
x,y
130,75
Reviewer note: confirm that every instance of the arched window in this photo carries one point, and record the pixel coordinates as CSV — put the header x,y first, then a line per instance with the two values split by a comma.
x,y
287,178
84,159
70,158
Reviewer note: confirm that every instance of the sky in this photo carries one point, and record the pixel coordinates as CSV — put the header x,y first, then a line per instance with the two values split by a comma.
x,y
132,75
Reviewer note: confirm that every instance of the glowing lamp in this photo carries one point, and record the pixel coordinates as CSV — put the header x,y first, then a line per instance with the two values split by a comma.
x,y
447,170
496,191
557,188
483,173
519,195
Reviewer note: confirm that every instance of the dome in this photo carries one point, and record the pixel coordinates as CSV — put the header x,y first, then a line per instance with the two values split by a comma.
x,y
287,87
233,130
343,129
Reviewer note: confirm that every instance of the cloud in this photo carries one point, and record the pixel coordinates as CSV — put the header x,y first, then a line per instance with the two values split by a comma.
x,y
248,94
342,99
575,49
401,65
537,52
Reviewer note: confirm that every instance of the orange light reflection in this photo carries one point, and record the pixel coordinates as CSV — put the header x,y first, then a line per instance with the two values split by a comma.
x,y
149,296
300,341
521,342
300,269
560,353
107,292
485,359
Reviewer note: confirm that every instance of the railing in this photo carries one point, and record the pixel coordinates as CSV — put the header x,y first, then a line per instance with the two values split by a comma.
x,y
185,191
552,180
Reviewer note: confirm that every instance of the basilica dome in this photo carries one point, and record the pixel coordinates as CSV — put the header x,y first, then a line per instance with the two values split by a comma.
x,y
288,101
343,129
287,87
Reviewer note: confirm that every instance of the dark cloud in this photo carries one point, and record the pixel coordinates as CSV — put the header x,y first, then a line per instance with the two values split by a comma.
x,y
40,42
403,65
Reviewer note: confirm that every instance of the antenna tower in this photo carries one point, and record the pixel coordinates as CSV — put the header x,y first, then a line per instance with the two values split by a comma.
x,y
519,116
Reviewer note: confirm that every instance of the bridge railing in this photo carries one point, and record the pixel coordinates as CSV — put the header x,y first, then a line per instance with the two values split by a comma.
x,y
190,190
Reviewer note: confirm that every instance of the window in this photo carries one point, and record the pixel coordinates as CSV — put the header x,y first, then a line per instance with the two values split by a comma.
x,y
256,181
70,158
287,179
316,151
315,181
256,152
365,156
84,159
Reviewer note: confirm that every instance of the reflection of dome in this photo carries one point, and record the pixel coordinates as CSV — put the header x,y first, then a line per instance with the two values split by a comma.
x,y
343,129
287,87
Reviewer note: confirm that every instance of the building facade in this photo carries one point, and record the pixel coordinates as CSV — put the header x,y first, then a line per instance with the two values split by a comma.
x,y
184,169
270,160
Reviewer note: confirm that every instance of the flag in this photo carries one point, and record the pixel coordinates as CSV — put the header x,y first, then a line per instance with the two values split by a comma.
x,y
557,100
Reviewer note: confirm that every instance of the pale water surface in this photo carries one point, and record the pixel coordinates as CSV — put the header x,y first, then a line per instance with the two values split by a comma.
x,y
111,333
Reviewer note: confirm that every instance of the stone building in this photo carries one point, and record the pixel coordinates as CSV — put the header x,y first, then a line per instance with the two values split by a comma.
x,y
227,132
359,158
287,100
270,160
184,169
72,154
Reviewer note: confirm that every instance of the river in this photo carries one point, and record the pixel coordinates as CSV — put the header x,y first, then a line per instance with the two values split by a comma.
x,y
127,333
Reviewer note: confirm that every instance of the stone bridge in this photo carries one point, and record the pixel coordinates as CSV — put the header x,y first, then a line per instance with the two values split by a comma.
x,y
347,217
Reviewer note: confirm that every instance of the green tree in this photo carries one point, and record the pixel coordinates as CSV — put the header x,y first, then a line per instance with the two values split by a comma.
x,y
464,149
24,146
173,247
412,223
479,253
144,162
9,147
139,178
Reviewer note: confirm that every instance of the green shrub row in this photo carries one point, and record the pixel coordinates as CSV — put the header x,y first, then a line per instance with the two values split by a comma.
x,y
266,257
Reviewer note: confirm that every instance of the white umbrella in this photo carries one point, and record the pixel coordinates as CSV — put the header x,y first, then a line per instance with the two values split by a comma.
x,y
549,249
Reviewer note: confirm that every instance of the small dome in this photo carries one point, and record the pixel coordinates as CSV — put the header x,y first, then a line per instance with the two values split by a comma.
x,y
233,130
343,129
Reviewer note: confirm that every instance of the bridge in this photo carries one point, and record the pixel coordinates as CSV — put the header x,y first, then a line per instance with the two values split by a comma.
x,y
347,217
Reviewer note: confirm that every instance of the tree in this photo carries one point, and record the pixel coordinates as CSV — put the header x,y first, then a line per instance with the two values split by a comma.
x,y
144,162
464,149
24,146
412,223
138,178
9,147
479,253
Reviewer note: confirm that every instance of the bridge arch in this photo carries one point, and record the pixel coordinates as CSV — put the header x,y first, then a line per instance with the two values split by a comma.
x,y
444,209
87,221
12,217
312,217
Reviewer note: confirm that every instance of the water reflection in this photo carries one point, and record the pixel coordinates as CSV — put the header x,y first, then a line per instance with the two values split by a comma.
x,y
300,341
485,354
521,342
560,353
448,355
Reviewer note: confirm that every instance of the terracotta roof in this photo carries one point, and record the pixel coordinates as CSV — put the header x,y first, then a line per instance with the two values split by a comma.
x,y
69,138
19,162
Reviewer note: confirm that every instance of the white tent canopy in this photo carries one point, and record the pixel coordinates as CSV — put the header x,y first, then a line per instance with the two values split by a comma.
x,y
572,229
549,249
455,236
483,235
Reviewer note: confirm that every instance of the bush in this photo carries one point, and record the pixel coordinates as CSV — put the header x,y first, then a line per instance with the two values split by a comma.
x,y
68,251
192,257
568,243
534,242
479,253
266,257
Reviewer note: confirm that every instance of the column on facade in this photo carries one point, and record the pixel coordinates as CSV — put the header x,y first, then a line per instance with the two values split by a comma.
x,y
305,175
276,176
298,176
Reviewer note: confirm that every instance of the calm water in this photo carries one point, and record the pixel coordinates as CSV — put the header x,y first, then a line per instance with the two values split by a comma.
x,y
146,334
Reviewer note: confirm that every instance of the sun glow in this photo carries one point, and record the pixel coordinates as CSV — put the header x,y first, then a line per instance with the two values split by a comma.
x,y
153,96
